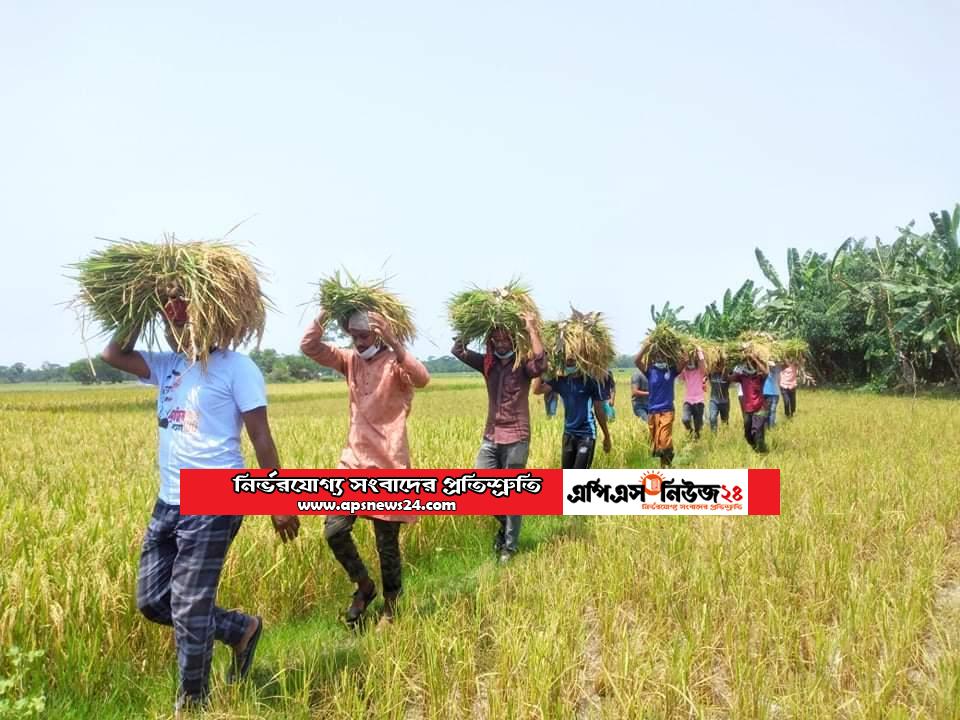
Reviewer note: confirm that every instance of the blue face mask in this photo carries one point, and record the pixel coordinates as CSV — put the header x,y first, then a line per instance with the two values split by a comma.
x,y
570,369
503,356
660,365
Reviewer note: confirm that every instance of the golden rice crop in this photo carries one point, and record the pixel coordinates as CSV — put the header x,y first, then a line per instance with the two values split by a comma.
x,y
476,312
584,338
341,298
125,286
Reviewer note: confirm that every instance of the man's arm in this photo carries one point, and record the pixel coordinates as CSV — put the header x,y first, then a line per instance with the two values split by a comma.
x,y
637,392
601,416
537,365
124,357
639,356
313,346
258,429
415,371
467,356
536,344
541,387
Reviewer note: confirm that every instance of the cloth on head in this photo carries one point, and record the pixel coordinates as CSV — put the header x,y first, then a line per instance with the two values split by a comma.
x,y
358,320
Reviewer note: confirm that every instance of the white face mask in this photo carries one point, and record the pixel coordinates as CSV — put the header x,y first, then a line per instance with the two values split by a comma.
x,y
370,351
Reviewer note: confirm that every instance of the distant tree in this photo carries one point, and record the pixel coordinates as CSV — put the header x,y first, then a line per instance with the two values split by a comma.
x,y
79,371
445,364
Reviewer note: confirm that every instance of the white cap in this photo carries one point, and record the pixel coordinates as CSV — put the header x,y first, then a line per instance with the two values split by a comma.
x,y
359,321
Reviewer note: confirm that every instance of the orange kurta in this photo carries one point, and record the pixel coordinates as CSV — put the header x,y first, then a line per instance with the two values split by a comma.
x,y
381,395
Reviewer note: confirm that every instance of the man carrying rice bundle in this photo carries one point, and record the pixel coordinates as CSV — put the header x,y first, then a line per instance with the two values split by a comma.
x,y
209,297
771,392
582,411
381,376
794,351
695,385
788,388
581,348
506,321
719,396
751,373
658,359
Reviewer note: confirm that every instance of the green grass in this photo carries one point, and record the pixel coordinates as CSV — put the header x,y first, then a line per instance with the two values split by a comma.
x,y
848,605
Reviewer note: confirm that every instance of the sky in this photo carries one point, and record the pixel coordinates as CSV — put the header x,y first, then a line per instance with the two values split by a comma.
x,y
614,155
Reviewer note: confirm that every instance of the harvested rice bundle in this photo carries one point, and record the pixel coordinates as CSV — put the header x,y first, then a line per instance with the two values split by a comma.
x,y
666,342
127,285
714,354
341,299
550,334
760,348
794,350
583,337
755,349
476,312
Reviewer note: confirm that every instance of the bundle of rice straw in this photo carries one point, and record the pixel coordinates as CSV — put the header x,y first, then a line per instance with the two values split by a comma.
x,y
757,349
341,299
794,351
714,354
666,342
125,286
583,337
476,312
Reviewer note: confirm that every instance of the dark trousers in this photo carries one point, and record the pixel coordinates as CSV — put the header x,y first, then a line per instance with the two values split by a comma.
x,y
577,452
789,401
692,417
180,565
754,428
338,531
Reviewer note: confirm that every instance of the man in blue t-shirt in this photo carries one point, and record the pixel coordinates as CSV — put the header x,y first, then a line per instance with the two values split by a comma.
x,y
201,412
661,375
582,411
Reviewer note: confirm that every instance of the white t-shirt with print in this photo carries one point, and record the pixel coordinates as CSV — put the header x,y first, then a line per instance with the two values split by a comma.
x,y
199,413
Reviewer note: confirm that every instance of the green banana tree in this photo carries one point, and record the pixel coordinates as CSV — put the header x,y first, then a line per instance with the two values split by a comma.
x,y
736,314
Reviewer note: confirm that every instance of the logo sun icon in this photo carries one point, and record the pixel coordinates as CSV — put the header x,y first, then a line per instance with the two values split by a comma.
x,y
651,483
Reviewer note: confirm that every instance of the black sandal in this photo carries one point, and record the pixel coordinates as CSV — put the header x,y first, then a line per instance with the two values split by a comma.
x,y
355,612
242,661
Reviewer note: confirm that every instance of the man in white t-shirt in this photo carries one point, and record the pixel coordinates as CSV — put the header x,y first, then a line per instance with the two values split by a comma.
x,y
200,415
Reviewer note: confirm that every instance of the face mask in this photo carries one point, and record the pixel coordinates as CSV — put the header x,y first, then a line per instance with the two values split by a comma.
x,y
660,365
370,351
570,369
503,356
691,366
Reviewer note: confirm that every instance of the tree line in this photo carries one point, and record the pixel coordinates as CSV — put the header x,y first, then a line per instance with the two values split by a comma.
x,y
884,314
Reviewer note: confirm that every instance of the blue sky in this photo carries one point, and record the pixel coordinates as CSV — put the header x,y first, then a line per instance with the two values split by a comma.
x,y
613,154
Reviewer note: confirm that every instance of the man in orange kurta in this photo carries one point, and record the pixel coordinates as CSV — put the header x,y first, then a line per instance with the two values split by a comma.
x,y
381,376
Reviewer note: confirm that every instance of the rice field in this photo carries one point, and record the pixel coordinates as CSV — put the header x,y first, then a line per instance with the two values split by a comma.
x,y
846,606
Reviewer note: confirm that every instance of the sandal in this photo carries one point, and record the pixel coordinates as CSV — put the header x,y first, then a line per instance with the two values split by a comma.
x,y
242,661
361,601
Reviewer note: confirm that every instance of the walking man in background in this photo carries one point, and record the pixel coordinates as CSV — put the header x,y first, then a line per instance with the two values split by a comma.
x,y
506,435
